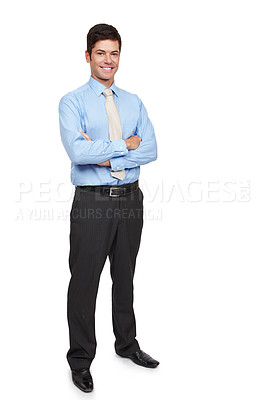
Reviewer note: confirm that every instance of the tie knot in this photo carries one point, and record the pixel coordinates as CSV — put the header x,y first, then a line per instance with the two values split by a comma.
x,y
108,92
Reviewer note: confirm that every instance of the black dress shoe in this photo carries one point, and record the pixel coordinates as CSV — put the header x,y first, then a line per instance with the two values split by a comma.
x,y
82,379
143,359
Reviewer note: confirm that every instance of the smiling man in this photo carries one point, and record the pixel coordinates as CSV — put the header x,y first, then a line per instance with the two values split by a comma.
x,y
107,135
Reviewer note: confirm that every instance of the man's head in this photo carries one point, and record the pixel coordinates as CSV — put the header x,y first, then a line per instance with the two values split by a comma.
x,y
103,52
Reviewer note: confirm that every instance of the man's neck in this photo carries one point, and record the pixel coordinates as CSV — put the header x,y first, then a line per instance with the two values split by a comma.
x,y
107,83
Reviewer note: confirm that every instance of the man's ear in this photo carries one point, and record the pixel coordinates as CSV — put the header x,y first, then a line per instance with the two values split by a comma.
x,y
87,56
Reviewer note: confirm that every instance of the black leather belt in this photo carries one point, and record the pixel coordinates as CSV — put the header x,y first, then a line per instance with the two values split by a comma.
x,y
113,191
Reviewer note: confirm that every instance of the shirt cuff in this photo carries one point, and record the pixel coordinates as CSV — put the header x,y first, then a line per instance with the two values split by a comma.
x,y
117,164
120,147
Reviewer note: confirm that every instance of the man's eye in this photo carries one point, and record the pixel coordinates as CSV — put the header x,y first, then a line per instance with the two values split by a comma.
x,y
100,54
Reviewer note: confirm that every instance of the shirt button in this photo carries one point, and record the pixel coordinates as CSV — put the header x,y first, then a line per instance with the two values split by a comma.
x,y
117,167
120,147
136,165
103,152
122,152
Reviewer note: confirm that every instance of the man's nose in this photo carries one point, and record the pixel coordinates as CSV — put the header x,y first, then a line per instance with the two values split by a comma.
x,y
108,59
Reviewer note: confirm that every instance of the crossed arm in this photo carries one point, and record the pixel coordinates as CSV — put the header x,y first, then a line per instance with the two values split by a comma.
x,y
132,143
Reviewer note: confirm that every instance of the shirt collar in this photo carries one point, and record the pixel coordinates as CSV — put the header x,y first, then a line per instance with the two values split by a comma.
x,y
98,87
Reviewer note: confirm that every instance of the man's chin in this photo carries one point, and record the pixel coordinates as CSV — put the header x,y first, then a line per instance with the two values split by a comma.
x,y
105,77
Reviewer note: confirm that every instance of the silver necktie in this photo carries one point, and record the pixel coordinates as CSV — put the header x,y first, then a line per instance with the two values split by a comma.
x,y
115,129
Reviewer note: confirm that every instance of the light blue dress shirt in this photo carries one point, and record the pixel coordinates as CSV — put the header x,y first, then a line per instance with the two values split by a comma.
x,y
84,109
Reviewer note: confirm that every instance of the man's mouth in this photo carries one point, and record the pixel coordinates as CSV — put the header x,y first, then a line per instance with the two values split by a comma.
x,y
107,68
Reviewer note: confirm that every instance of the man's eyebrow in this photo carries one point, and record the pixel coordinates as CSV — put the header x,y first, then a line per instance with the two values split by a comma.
x,y
103,51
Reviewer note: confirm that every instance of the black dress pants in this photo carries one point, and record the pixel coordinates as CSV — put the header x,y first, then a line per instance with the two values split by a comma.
x,y
101,226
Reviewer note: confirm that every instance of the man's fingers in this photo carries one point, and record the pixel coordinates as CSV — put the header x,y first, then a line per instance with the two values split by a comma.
x,y
105,163
85,135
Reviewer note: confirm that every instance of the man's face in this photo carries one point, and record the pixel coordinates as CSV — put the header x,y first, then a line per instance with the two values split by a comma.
x,y
104,60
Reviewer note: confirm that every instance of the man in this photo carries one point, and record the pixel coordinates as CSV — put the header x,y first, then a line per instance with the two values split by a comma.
x,y
107,135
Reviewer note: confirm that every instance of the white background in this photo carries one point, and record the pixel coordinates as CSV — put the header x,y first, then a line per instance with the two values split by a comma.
x,y
199,68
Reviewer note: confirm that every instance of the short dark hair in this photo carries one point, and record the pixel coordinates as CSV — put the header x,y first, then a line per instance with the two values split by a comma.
x,y
102,32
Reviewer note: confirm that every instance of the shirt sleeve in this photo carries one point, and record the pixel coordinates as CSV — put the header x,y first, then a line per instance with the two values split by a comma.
x,y
147,150
80,150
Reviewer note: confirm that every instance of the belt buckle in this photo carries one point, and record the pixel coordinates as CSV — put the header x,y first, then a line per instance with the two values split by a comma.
x,y
112,194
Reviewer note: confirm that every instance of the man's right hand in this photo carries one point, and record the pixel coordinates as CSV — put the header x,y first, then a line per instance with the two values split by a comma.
x,y
133,142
